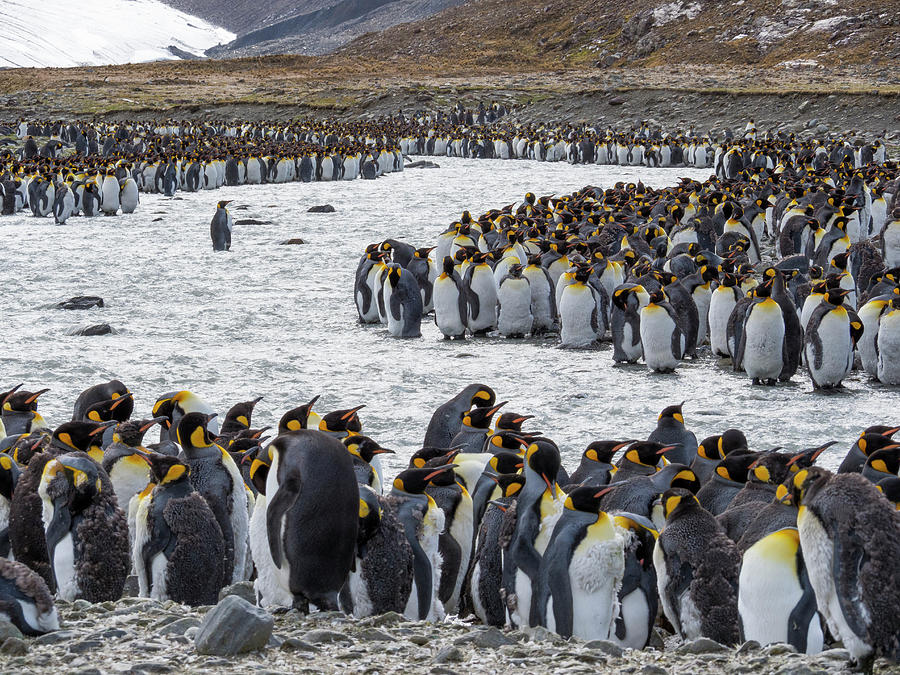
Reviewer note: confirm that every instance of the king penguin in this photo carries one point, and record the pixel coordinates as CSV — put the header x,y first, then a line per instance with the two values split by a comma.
x,y
220,227
670,430
450,303
850,538
447,419
403,303
312,545
25,600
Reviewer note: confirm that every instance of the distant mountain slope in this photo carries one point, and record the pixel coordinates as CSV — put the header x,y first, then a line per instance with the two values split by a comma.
x,y
60,33
307,26
552,33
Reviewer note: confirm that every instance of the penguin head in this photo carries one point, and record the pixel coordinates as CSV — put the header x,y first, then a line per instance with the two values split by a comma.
x,y
165,469
222,204
646,453
423,253
432,457
414,481
296,418
240,413
587,499
116,409
674,413
342,421
678,501
259,468
871,442
511,421
509,484
479,417
370,513
840,260
364,447
890,488
806,483
505,439
676,476
506,463
884,462
542,462
604,451
193,431
17,401
735,467
447,266
131,432
806,458
82,475
80,436
9,476
709,448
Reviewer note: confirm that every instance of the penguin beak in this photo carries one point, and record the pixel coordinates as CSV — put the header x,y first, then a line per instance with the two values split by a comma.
x,y
350,413
256,400
439,471
603,492
500,506
891,432
123,397
155,420
497,407
12,391
34,397
550,484
521,419
665,449
259,433
103,427
623,444
211,417
382,451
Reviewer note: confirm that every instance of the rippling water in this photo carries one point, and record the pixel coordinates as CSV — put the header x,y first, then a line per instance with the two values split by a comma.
x,y
280,321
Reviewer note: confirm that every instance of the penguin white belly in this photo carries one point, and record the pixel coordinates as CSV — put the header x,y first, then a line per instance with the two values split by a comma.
x,y
764,340
691,621
701,297
836,358
158,575
109,195
768,588
630,347
515,316
462,530
446,308
359,592
662,579
869,315
888,341
239,521
809,306
138,509
519,616
596,572
470,466
891,235
633,610
475,596
129,197
657,328
576,307
42,622
269,591
818,552
432,526
482,284
64,569
720,306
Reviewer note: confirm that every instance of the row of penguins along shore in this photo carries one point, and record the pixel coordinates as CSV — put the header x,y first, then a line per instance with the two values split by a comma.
x,y
719,540
101,169
795,263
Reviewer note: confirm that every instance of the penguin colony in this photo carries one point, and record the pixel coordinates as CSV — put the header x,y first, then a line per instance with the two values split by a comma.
x,y
89,170
789,255
716,539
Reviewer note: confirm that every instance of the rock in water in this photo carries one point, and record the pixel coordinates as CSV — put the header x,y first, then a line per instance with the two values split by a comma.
x,y
97,329
81,302
321,208
234,626
423,164
292,242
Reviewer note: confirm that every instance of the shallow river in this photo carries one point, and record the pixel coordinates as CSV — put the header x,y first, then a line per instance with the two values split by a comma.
x,y
280,321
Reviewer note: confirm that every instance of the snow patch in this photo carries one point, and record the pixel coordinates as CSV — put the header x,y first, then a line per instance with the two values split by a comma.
x,y
61,33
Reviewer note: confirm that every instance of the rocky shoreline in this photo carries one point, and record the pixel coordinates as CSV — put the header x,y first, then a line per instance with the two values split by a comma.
x,y
139,635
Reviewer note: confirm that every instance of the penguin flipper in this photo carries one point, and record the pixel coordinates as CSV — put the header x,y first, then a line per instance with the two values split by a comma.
x,y
276,510
461,303
679,575
474,304
60,524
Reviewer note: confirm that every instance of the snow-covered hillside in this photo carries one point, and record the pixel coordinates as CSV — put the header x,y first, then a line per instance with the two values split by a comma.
x,y
62,33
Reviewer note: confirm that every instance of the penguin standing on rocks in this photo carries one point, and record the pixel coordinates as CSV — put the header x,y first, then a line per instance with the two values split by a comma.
x,y
638,599
493,536
403,303
25,600
670,430
312,516
446,421
86,531
455,543
214,474
850,538
220,227
422,521
697,569
537,509
179,551
581,570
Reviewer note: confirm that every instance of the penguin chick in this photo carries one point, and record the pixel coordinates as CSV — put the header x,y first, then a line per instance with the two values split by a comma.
x,y
697,569
25,600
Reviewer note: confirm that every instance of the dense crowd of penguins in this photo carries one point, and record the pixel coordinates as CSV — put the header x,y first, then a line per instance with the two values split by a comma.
x,y
789,254
93,169
717,539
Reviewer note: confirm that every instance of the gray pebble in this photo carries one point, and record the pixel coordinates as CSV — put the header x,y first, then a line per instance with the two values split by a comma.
x,y
9,630
449,655
321,636
179,626
14,646
55,637
780,649
606,647
374,635
234,626
490,638
242,589
293,644
700,646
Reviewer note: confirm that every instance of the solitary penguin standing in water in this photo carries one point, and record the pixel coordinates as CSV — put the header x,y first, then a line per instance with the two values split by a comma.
x,y
220,227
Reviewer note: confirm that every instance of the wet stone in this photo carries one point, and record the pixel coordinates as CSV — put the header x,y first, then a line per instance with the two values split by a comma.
x,y
449,655
55,637
9,630
700,646
234,626
321,208
14,646
294,644
81,302
323,636
490,638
